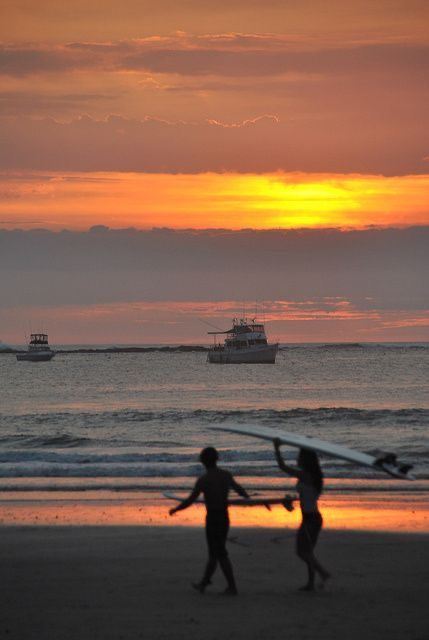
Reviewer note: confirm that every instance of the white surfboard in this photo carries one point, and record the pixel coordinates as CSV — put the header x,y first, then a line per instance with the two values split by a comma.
x,y
286,501
387,463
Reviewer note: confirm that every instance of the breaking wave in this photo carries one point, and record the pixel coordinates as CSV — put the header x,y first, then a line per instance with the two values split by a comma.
x,y
135,443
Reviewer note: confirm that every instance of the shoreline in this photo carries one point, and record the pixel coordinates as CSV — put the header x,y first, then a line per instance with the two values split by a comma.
x,y
195,348
78,350
370,512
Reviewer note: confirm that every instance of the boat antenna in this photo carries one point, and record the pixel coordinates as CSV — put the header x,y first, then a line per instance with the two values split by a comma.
x,y
213,326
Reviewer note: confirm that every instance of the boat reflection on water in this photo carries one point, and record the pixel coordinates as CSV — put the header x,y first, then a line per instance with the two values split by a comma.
x,y
245,343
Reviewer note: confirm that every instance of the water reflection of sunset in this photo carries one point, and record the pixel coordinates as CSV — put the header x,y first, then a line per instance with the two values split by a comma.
x,y
377,512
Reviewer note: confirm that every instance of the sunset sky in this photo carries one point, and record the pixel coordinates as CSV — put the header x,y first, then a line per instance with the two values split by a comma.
x,y
167,164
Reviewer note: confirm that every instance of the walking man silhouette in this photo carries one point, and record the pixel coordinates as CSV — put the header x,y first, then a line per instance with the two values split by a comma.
x,y
215,485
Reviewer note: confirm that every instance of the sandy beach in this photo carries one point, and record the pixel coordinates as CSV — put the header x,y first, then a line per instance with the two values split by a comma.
x,y
134,582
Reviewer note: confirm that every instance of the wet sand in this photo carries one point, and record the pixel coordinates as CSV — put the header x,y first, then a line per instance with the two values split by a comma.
x,y
105,582
393,511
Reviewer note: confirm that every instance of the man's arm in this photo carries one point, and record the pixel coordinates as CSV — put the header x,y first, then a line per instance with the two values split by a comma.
x,y
238,488
189,500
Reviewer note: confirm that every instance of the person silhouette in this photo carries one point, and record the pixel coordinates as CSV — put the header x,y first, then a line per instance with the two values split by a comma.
x,y
215,485
309,487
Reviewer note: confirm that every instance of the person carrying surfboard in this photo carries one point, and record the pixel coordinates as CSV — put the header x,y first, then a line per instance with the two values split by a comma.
x,y
215,485
309,487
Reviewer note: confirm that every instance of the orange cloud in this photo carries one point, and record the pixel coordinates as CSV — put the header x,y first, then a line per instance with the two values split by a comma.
x,y
78,19
330,320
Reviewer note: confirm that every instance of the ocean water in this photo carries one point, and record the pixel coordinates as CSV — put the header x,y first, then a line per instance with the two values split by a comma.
x,y
138,420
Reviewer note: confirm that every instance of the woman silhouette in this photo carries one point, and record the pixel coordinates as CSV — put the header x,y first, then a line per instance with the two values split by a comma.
x,y
309,487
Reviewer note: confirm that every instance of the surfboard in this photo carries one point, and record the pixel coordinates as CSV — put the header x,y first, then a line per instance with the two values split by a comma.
x,y
387,462
286,501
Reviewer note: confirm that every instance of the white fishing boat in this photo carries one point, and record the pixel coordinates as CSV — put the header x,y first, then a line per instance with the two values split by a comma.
x,y
245,343
38,349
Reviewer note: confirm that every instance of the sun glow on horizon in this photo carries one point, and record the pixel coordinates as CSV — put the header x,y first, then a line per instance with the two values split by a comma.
x,y
307,204
209,200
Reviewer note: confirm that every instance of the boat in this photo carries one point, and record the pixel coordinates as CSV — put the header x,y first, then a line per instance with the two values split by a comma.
x,y
245,343
38,349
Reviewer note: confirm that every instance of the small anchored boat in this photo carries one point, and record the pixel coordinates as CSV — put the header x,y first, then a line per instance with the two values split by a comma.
x,y
38,349
245,343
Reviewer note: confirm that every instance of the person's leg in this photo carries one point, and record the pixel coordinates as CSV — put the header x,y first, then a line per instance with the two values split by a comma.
x,y
223,557
310,582
304,552
323,573
228,572
313,566
208,573
306,542
212,560
316,528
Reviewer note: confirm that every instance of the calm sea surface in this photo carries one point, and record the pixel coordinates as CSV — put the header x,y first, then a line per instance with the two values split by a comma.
x,y
124,420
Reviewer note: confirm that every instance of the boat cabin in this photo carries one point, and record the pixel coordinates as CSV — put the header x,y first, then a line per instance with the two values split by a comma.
x,y
39,339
